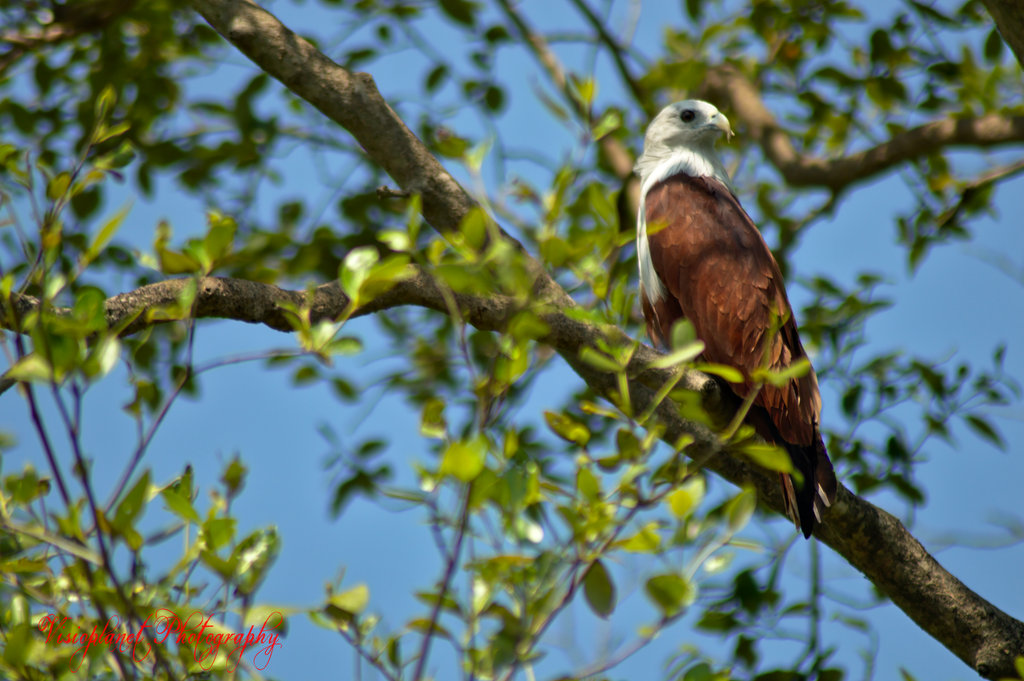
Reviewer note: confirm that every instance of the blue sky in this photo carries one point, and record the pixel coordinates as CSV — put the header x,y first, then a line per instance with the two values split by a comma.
x,y
956,305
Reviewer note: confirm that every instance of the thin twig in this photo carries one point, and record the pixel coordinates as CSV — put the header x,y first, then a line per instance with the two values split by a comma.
x,y
620,159
976,185
446,583
357,645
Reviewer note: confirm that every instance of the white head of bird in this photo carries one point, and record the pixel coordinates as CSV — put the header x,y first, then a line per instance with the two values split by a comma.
x,y
681,139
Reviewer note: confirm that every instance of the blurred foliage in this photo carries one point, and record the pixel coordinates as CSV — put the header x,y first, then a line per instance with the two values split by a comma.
x,y
104,100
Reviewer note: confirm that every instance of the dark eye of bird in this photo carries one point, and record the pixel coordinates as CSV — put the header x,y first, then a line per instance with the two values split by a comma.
x,y
687,115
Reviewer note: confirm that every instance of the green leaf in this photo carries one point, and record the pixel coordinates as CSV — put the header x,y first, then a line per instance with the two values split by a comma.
x,y
219,237
986,430
26,487
18,643
449,144
253,557
720,622
647,540
628,445
345,606
670,592
273,616
587,484
180,505
394,651
599,360
31,369
567,428
394,239
680,356
730,374
233,477
104,102
993,46
464,459
217,532
175,262
526,325
851,399
69,528
124,155
494,98
423,625
432,421
474,225
585,90
103,357
683,334
687,497
58,186
103,133
356,268
772,457
384,275
344,345
436,78
608,123
225,569
739,509
780,378
462,11
131,505
107,232
933,379
599,590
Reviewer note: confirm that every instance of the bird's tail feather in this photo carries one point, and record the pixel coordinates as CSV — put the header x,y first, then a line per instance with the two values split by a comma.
x,y
806,499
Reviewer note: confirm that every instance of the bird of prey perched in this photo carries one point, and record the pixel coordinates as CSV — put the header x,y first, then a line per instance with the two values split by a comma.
x,y
702,259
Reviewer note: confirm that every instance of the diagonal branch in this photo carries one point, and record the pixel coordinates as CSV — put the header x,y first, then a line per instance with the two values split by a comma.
x,y
726,85
1009,18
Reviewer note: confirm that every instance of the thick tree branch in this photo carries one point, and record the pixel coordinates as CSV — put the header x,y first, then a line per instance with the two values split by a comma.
x,y
733,91
1009,18
872,540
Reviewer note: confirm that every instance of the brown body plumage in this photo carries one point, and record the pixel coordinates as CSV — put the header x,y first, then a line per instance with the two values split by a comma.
x,y
708,263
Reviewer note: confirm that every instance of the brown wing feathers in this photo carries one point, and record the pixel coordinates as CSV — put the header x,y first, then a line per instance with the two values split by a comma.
x,y
721,276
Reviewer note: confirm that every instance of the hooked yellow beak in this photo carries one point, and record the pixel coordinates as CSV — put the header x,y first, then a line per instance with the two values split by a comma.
x,y
722,123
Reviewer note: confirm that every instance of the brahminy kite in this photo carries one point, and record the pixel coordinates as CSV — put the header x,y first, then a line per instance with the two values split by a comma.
x,y
704,260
